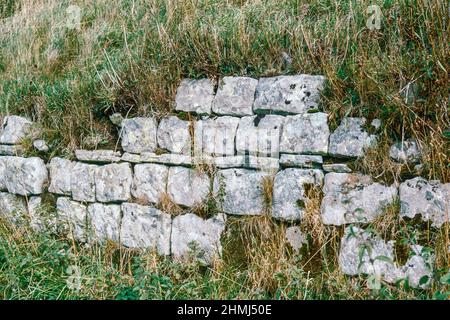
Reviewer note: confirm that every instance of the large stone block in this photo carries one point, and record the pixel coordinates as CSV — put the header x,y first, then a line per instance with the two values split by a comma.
x,y
289,195
187,187
113,182
307,133
240,191
195,96
350,139
259,135
82,182
300,161
194,237
429,199
215,136
104,221
174,135
60,176
139,135
145,227
25,176
235,96
98,156
354,198
12,207
149,182
14,129
288,94
72,216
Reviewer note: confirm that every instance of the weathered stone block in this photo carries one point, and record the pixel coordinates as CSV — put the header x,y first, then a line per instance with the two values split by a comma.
x,y
72,216
113,182
149,183
337,167
14,129
187,187
11,150
25,176
194,237
12,207
300,161
82,182
98,156
195,96
235,96
289,196
429,199
145,227
406,151
306,133
139,135
174,135
288,94
215,136
60,176
104,221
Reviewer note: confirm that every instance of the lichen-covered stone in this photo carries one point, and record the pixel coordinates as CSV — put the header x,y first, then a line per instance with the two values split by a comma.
x,y
300,161
104,221
82,182
169,159
240,191
12,207
187,187
418,270
350,139
289,196
113,182
11,150
235,96
429,199
145,227
362,252
259,135
3,167
72,216
295,238
288,94
25,176
60,176
215,136
174,135
139,135
149,182
98,156
40,145
406,151
353,198
305,133
194,237
337,167
195,96
14,129
267,164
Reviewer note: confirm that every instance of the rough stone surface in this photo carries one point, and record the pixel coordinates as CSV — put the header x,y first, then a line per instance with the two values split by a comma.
x,y
267,164
353,198
98,156
289,196
418,270
174,135
12,207
113,182
350,139
187,187
288,94
259,135
11,150
429,199
145,227
364,253
223,162
14,129
215,136
300,161
40,145
336,167
73,217
35,208
25,176
240,191
406,151
3,167
149,182
139,135
195,96
104,221
60,176
235,96
194,237
306,133
82,182
169,159
295,238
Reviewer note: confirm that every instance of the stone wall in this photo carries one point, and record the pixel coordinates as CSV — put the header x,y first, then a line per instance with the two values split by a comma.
x,y
239,137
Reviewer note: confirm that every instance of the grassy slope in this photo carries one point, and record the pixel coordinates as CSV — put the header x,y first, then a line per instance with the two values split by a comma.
x,y
129,56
